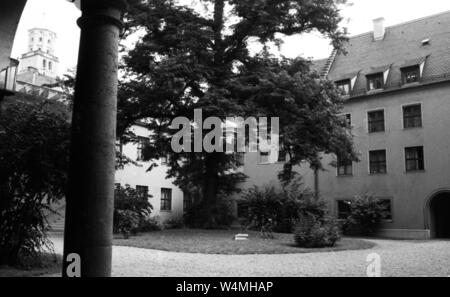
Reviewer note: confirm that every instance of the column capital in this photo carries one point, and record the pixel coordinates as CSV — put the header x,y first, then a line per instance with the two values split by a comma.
x,y
103,11
118,4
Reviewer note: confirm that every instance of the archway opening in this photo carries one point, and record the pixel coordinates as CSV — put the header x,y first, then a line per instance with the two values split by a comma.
x,y
440,215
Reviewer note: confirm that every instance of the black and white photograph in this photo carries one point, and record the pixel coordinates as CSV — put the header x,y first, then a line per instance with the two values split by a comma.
x,y
203,140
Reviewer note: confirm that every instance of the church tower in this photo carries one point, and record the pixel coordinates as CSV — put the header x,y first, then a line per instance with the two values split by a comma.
x,y
40,56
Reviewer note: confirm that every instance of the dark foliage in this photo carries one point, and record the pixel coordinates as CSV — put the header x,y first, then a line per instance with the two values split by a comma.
x,y
34,138
131,212
282,208
367,213
314,233
219,215
190,59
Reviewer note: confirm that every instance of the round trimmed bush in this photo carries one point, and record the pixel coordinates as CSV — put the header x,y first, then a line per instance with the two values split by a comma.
x,y
317,234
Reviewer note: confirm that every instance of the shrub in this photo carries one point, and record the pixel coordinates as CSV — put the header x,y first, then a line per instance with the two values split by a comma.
x,y
33,174
366,215
173,224
316,233
131,211
280,206
220,215
127,221
148,224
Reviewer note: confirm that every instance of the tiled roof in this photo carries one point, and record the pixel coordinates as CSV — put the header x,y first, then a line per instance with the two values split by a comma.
x,y
401,47
318,65
39,79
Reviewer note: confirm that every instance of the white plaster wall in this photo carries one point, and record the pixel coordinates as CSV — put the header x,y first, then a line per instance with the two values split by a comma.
x,y
154,180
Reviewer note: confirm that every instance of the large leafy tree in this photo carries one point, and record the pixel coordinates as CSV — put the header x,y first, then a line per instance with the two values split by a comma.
x,y
198,56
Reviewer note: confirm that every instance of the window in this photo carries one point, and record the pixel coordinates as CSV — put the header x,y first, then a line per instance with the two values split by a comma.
x,y
281,153
141,144
50,65
166,199
344,209
40,39
242,209
346,119
264,157
142,192
376,121
344,86
412,116
44,63
187,201
344,167
411,74
240,159
387,205
375,81
377,161
414,158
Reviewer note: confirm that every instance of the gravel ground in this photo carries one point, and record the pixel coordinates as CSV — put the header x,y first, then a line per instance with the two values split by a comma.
x,y
398,258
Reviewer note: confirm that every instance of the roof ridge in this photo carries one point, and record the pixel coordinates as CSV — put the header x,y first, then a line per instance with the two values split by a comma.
x,y
404,23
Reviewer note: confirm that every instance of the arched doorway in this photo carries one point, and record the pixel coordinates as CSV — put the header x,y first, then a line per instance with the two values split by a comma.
x,y
439,210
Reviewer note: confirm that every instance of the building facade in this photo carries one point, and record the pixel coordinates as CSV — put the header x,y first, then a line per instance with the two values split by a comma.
x,y
38,67
165,197
396,86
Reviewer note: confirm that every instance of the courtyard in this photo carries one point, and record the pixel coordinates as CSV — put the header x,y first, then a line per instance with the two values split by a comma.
x,y
399,258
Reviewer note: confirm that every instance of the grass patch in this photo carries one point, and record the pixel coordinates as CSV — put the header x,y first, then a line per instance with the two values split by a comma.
x,y
221,242
48,264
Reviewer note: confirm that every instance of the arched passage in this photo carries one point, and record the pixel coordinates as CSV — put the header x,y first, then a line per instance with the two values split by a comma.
x,y
10,13
439,214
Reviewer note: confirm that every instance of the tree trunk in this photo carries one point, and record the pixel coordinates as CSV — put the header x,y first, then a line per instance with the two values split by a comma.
x,y
210,187
211,176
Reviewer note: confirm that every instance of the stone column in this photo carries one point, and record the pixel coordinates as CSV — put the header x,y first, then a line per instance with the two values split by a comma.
x,y
90,197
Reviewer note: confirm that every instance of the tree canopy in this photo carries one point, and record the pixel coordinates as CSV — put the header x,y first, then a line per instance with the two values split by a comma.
x,y
197,57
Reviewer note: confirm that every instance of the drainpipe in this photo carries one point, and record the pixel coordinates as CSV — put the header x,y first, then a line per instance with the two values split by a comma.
x,y
90,197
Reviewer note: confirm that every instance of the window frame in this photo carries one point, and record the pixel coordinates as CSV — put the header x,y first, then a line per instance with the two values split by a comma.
x,y
343,200
405,70
166,202
404,117
145,192
344,82
370,77
347,118
346,172
370,162
419,162
282,154
187,202
140,147
370,123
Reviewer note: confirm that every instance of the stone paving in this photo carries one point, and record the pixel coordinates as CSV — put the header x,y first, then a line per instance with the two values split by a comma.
x,y
398,258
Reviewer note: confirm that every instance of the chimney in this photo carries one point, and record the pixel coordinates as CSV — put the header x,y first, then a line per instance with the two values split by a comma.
x,y
378,29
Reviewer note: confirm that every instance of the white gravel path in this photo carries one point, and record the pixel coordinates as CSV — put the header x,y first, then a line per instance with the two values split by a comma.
x,y
398,258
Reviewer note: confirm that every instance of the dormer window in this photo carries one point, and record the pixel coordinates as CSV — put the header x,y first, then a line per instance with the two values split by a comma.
x,y
411,74
344,86
375,81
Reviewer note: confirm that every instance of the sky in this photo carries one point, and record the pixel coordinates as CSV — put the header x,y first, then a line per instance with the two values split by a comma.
x,y
60,16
